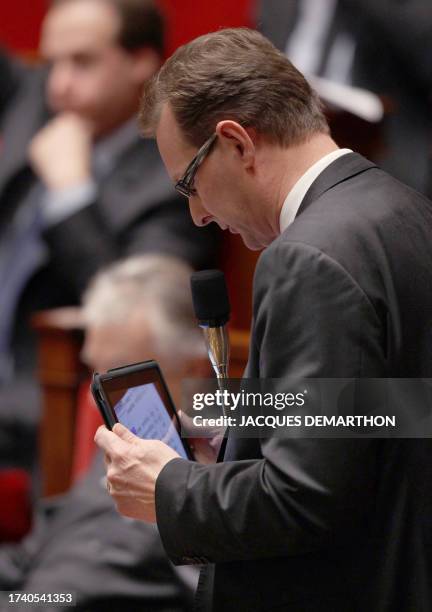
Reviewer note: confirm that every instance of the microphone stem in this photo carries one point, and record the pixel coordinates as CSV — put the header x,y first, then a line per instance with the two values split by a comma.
x,y
217,343
221,384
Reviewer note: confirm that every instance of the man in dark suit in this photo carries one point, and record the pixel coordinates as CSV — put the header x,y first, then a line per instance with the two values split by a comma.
x,y
96,191
384,47
343,289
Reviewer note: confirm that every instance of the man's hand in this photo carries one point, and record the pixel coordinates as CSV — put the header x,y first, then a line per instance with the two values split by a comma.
x,y
133,466
205,449
60,153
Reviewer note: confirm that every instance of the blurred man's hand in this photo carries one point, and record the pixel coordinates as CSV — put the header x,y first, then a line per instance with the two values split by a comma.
x,y
60,153
133,466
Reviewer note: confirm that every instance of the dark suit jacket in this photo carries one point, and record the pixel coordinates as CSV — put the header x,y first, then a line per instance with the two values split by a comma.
x,y
324,524
11,72
137,211
79,543
393,58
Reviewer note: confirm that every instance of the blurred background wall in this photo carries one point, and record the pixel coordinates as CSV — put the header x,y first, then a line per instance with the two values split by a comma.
x,y
20,20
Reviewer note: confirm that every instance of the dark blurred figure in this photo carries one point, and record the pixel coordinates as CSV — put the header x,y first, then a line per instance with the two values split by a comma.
x,y
19,402
85,188
137,309
79,187
384,46
10,76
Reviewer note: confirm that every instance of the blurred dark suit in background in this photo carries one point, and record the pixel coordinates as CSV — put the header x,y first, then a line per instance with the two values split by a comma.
x,y
79,543
10,76
56,232
383,46
59,226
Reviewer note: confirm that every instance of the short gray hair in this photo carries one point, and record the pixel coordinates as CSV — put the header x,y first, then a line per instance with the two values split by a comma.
x,y
158,286
235,74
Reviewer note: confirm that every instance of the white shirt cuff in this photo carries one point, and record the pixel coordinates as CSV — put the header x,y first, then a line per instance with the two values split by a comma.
x,y
63,203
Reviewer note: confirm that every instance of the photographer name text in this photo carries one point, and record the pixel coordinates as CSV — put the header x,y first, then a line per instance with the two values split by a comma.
x,y
277,421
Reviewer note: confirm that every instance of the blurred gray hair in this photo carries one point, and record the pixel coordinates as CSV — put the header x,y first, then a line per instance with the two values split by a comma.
x,y
158,288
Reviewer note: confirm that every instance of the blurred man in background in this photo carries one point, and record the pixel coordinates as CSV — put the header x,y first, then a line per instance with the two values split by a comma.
x,y
135,310
96,190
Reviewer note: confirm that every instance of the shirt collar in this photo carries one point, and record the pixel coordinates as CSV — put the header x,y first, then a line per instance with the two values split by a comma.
x,y
295,197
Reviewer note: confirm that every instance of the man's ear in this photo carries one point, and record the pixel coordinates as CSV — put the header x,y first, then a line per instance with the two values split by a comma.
x,y
240,140
146,62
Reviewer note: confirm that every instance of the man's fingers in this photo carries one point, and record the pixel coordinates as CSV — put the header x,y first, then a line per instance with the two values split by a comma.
x,y
108,441
125,434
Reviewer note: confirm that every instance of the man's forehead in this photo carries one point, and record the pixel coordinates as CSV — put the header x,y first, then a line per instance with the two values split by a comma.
x,y
79,25
118,341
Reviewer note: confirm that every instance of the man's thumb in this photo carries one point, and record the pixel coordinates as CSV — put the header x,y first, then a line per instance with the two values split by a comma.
x,y
123,432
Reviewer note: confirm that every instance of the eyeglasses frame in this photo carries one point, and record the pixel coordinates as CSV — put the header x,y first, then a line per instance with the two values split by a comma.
x,y
185,184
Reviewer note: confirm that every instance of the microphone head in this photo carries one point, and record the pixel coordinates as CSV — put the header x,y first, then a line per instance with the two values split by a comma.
x,y
210,297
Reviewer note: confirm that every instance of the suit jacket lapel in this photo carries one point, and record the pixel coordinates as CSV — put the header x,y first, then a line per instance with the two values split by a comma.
x,y
342,169
126,185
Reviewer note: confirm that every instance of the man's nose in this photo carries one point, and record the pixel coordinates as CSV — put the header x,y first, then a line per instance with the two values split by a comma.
x,y
198,213
59,83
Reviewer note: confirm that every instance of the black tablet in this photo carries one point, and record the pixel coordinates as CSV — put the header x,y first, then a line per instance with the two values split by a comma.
x,y
137,397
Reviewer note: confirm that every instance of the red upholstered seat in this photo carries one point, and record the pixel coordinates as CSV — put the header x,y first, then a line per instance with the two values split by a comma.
x,y
15,505
15,483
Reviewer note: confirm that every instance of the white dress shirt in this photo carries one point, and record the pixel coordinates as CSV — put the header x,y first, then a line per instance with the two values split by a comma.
x,y
295,197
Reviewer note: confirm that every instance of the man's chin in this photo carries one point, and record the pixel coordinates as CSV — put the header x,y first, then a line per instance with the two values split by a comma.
x,y
252,243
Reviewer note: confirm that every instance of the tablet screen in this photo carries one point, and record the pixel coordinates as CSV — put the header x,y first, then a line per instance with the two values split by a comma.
x,y
142,410
140,400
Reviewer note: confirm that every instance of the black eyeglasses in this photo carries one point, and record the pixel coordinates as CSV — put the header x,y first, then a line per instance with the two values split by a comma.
x,y
185,184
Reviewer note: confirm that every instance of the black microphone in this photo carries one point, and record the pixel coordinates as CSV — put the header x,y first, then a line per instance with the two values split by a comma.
x,y
212,309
